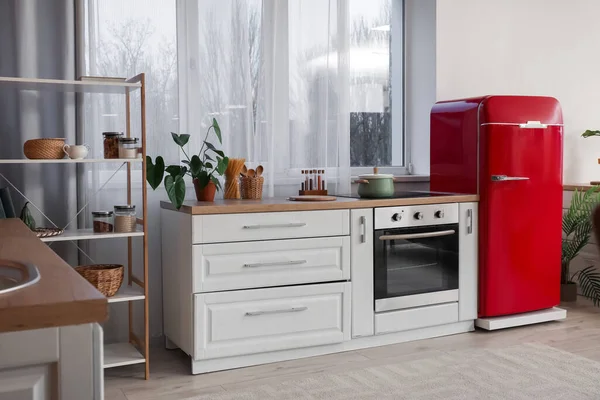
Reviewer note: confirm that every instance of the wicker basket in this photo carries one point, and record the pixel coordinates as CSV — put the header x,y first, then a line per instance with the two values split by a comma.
x,y
107,278
44,149
252,188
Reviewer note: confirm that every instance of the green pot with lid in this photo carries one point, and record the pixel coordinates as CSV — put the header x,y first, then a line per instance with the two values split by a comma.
x,y
375,185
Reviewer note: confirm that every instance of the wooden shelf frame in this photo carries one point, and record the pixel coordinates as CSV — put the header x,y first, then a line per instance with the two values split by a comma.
x,y
134,289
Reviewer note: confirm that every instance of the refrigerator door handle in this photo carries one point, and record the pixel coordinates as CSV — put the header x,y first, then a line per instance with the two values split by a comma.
x,y
533,125
501,178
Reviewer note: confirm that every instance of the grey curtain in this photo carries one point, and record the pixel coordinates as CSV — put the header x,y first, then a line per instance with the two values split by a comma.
x,y
37,40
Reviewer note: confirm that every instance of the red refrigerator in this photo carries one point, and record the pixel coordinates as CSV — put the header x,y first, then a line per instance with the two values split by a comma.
x,y
507,149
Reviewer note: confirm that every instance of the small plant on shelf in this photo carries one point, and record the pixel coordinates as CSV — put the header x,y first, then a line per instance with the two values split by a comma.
x,y
577,230
203,167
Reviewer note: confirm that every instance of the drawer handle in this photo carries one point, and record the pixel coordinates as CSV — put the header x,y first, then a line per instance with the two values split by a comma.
x,y
284,311
271,264
288,225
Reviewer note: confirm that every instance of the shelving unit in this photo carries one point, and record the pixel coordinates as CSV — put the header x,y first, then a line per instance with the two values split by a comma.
x,y
134,288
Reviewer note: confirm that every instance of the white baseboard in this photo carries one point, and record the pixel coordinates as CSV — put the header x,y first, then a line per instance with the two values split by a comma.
x,y
219,364
510,321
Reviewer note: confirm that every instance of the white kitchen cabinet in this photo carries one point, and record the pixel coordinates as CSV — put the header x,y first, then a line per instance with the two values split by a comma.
x,y
268,226
361,266
468,261
52,363
262,320
231,266
30,383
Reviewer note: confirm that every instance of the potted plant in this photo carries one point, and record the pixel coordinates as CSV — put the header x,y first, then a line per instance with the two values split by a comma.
x,y
577,230
202,167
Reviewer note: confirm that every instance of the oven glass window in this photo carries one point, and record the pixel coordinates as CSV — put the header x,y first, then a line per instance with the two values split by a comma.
x,y
419,260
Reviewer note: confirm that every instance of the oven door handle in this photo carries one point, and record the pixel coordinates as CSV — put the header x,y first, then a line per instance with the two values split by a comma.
x,y
418,235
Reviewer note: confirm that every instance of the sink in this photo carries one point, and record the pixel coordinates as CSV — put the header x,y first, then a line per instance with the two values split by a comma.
x,y
16,275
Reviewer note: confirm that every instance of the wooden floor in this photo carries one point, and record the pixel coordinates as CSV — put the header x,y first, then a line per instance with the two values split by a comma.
x,y
171,378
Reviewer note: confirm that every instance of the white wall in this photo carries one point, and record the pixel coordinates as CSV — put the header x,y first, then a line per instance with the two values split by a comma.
x,y
535,47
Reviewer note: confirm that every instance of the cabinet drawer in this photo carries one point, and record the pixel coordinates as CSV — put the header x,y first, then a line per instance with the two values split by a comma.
x,y
256,321
419,317
225,228
230,266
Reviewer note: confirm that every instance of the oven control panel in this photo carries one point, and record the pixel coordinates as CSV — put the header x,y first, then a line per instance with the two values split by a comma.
x,y
419,215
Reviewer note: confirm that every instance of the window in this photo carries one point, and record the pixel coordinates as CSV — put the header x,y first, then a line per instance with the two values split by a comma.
x,y
297,83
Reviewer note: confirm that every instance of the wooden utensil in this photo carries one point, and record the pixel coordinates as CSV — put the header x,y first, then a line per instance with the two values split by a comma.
x,y
244,171
232,178
251,173
259,170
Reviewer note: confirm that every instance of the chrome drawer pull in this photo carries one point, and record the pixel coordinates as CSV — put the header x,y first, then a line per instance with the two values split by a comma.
x,y
271,264
284,311
363,229
502,178
417,235
288,225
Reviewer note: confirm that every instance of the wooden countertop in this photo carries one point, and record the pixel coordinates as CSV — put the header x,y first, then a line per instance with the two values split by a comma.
x,y
277,204
61,297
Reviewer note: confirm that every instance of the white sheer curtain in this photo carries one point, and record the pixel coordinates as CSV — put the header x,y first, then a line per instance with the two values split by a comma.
x,y
275,76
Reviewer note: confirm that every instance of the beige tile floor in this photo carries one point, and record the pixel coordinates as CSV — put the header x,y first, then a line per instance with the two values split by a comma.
x,y
170,376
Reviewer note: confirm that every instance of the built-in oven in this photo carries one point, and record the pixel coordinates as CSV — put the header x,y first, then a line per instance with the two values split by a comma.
x,y
416,256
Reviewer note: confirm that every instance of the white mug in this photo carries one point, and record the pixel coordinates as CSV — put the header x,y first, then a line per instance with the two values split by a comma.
x,y
76,151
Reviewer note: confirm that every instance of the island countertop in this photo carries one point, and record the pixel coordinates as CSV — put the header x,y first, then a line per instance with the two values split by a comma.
x,y
60,298
277,204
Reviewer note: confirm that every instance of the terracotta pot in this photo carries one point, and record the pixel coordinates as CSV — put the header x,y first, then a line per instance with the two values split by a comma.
x,y
206,193
568,292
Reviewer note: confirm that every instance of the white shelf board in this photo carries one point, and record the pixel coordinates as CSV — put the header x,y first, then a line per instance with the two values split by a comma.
x,y
127,293
58,85
119,354
89,234
69,161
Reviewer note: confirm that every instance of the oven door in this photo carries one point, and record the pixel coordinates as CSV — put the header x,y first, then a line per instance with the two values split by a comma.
x,y
415,266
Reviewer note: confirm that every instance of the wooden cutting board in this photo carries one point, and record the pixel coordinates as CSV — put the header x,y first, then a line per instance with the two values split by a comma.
x,y
312,198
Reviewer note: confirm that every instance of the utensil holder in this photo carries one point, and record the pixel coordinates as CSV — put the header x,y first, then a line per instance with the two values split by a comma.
x,y
252,188
232,189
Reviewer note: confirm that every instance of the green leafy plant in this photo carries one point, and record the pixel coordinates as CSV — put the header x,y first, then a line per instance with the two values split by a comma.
x,y
204,166
590,133
577,229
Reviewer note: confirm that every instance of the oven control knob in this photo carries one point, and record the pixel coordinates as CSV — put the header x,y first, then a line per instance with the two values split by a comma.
x,y
396,217
439,214
418,215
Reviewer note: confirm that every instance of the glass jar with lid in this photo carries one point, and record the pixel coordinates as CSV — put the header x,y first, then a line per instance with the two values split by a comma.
x,y
102,221
128,147
125,218
111,144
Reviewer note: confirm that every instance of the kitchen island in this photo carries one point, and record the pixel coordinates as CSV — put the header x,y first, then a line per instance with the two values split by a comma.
x,y
50,340
247,282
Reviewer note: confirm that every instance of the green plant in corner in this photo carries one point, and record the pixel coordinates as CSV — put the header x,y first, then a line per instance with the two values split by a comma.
x,y
577,230
203,167
590,133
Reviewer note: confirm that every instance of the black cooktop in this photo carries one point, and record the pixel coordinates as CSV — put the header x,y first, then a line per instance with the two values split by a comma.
x,y
403,195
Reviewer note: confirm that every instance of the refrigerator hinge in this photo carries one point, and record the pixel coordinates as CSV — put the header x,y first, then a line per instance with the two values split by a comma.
x,y
409,169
